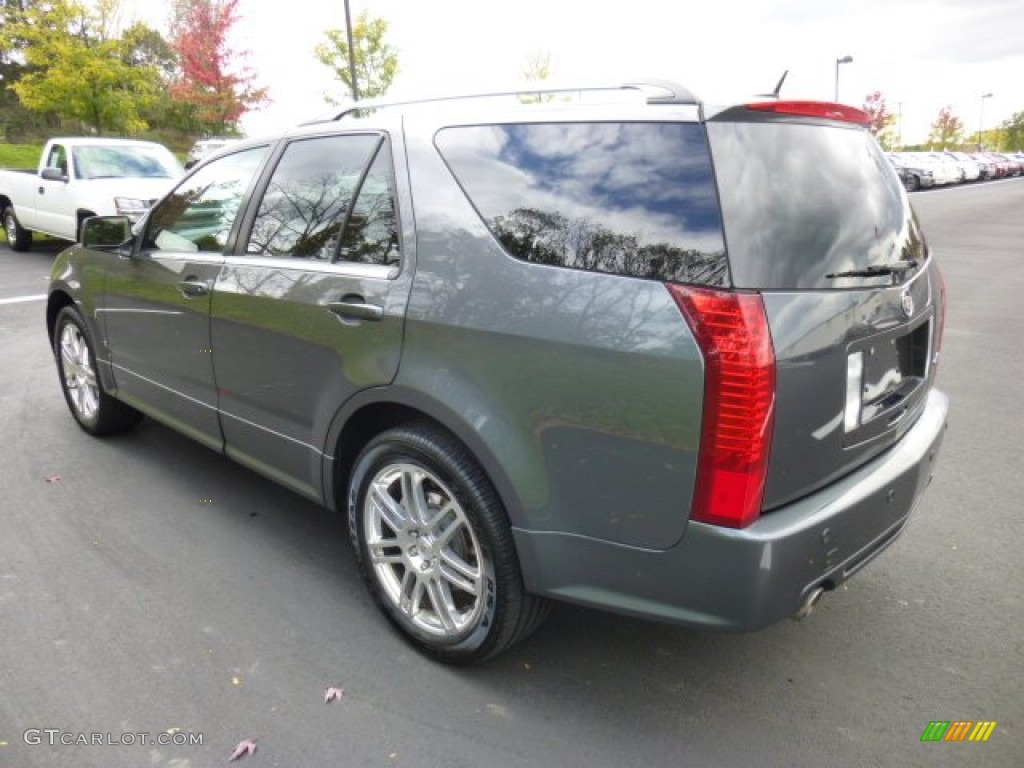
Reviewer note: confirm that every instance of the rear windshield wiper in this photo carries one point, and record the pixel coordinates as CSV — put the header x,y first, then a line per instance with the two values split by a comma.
x,y
877,270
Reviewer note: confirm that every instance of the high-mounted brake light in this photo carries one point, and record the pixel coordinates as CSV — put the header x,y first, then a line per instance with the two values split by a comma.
x,y
739,402
814,109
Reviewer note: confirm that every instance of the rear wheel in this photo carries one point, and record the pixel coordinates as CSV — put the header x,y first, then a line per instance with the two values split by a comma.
x,y
435,548
18,238
95,411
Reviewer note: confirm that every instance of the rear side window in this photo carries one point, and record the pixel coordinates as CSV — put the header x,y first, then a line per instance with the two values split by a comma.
x,y
635,199
803,203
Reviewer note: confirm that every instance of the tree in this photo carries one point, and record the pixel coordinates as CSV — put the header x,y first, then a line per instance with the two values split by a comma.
x,y
537,69
216,89
1013,132
76,68
881,119
376,61
947,130
16,122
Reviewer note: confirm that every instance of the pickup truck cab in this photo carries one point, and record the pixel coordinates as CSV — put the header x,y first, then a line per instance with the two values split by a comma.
x,y
82,177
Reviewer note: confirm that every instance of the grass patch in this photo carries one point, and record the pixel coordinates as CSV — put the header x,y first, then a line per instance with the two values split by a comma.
x,y
20,155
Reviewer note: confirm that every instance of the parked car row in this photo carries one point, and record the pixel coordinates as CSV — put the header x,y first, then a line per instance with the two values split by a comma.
x,y
920,170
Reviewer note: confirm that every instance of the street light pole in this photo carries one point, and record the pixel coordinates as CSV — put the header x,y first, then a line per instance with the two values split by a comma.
x,y
981,118
843,60
351,53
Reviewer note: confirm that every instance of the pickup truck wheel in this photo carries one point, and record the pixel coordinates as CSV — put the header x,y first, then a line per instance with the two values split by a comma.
x,y
18,238
95,411
435,548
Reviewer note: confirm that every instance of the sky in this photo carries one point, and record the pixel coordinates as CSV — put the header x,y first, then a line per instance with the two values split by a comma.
x,y
921,54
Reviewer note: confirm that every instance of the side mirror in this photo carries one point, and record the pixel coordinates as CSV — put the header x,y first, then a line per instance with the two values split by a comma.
x,y
106,233
54,174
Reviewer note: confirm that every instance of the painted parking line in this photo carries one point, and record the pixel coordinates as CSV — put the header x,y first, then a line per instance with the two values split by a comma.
x,y
23,299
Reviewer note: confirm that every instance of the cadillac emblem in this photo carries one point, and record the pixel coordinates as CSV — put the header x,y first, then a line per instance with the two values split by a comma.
x,y
907,301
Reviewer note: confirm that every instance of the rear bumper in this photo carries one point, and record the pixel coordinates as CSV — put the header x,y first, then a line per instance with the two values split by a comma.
x,y
750,578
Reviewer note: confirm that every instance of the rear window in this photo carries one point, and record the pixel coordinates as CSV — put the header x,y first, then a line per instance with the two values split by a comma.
x,y
801,202
634,199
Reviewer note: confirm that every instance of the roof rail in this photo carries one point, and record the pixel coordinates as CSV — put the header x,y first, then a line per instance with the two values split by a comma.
x,y
658,92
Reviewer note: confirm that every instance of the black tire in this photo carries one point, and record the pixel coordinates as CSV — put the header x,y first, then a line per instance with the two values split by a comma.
x,y
914,184
95,411
443,570
19,238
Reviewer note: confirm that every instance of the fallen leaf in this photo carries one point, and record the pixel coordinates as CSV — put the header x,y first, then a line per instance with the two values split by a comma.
x,y
243,749
333,694
236,681
53,479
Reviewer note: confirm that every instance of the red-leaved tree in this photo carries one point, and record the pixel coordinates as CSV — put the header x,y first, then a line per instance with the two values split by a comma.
x,y
947,130
881,118
214,84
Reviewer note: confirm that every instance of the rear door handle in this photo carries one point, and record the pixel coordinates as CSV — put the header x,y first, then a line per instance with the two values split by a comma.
x,y
192,288
356,308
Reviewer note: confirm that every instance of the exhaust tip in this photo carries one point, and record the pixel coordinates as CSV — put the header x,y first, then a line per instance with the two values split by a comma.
x,y
809,604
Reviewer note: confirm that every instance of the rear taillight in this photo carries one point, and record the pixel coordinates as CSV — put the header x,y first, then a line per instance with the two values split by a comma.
x,y
739,399
814,109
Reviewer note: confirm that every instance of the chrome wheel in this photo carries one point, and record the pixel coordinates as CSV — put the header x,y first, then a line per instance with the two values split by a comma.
x,y
18,238
423,551
79,374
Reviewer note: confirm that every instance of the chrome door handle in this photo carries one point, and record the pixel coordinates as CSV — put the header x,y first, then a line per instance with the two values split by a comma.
x,y
192,289
356,308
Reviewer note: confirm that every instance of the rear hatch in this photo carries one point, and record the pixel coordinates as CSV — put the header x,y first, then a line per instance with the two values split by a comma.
x,y
817,221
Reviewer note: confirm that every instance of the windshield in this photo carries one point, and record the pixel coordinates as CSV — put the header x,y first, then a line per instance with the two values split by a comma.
x,y
802,202
131,162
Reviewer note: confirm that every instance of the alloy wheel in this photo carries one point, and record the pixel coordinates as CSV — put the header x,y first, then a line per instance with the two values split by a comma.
x,y
79,374
423,551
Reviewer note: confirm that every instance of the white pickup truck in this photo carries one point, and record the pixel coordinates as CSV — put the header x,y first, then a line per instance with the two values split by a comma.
x,y
82,177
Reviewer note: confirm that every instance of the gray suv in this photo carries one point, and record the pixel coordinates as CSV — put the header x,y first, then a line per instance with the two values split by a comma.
x,y
623,349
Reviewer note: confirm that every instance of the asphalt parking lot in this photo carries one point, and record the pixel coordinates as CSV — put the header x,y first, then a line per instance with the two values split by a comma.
x,y
149,586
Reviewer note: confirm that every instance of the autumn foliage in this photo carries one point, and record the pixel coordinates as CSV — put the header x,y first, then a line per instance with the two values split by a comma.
x,y
212,82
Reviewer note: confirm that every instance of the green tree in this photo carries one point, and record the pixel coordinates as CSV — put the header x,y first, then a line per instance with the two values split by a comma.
x,y
76,67
1012,131
881,119
538,69
16,122
376,61
144,46
947,130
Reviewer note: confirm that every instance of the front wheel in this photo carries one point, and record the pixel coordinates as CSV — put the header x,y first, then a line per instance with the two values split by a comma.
x,y
19,238
95,411
435,548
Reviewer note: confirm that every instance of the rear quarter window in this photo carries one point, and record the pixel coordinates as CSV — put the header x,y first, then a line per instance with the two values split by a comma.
x,y
634,199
